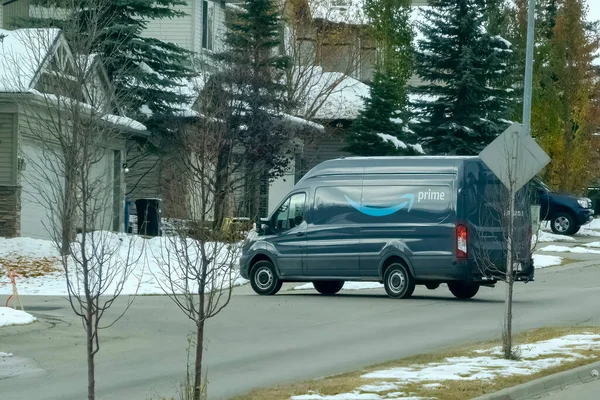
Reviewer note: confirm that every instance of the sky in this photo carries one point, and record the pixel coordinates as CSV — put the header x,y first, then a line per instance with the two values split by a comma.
x,y
594,10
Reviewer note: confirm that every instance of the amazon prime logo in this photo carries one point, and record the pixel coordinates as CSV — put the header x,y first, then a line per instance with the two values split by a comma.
x,y
409,200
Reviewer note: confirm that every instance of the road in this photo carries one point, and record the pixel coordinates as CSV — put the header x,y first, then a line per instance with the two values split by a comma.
x,y
258,341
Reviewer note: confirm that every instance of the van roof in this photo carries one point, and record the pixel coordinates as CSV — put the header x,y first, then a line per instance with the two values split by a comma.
x,y
400,164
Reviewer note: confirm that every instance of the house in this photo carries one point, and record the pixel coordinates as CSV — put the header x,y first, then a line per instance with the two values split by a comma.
x,y
37,68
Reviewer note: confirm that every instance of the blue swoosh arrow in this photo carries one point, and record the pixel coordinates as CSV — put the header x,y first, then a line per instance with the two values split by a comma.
x,y
382,212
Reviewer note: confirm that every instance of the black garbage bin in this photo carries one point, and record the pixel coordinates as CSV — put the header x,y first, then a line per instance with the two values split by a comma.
x,y
148,216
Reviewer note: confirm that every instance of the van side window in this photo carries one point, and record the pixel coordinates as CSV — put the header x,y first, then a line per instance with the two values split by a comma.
x,y
291,213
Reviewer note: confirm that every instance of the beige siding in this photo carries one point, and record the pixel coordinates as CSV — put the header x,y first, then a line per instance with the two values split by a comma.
x,y
7,144
18,9
176,30
1,17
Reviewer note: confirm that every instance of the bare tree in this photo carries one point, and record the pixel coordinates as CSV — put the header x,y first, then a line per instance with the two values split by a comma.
x,y
73,151
503,241
197,262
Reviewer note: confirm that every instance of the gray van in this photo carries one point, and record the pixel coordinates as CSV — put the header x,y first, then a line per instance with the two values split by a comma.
x,y
400,221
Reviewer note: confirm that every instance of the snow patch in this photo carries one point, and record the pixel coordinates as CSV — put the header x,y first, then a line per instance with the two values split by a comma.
x,y
10,316
544,236
490,365
146,257
564,249
399,143
544,261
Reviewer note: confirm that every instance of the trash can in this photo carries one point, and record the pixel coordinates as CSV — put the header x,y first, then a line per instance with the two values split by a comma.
x,y
148,216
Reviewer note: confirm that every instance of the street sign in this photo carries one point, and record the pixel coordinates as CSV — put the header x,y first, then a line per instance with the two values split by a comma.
x,y
514,157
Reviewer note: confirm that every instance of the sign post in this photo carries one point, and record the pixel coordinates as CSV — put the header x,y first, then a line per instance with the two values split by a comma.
x,y
514,157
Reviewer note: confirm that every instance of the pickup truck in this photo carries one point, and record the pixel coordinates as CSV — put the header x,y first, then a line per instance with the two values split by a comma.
x,y
566,213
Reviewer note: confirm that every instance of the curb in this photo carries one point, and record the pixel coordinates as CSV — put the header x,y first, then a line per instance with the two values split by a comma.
x,y
561,380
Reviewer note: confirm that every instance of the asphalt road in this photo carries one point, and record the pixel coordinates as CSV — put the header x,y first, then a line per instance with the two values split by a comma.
x,y
258,341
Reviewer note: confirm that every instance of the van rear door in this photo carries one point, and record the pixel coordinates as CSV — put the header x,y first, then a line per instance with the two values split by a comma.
x,y
486,208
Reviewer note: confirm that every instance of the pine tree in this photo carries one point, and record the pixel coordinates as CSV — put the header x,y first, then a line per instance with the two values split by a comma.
x,y
566,92
381,127
463,104
250,78
143,70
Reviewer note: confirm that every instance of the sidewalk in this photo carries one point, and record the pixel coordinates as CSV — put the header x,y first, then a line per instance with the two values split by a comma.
x,y
583,391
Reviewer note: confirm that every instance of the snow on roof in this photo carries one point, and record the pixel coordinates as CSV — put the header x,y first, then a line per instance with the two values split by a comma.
x,y
333,95
352,12
339,11
22,54
67,103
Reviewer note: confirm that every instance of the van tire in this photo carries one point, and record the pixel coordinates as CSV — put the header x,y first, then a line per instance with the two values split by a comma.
x,y
328,287
264,279
463,290
398,282
563,223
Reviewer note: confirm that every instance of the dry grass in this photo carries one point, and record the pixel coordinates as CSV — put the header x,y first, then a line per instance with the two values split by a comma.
x,y
451,390
26,267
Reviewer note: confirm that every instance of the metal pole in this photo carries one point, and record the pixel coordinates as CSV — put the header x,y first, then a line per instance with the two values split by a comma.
x,y
529,69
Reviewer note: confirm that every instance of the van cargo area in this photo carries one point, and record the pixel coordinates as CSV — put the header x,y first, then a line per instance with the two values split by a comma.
x,y
402,221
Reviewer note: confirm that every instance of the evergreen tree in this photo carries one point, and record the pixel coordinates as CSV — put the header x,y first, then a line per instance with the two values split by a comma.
x,y
565,110
463,104
250,82
143,70
381,127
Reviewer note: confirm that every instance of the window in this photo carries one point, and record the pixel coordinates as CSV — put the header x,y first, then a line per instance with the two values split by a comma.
x,y
207,25
290,214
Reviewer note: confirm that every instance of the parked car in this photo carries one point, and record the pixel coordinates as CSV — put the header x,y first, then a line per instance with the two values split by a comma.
x,y
401,221
566,213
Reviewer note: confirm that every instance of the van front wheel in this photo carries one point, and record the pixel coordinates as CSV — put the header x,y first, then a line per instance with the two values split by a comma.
x,y
463,290
264,280
328,287
398,282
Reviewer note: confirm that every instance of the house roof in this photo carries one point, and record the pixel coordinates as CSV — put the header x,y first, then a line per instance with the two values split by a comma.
x,y
333,95
23,53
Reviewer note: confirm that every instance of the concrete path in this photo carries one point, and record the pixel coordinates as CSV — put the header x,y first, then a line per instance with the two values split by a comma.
x,y
258,341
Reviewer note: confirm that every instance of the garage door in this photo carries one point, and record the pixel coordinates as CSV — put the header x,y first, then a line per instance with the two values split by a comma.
x,y
43,183
40,183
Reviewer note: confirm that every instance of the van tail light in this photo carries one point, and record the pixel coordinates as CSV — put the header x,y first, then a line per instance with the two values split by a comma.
x,y
461,241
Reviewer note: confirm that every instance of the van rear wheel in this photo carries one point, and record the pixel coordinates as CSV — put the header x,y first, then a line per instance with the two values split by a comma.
x,y
398,282
264,279
328,287
463,290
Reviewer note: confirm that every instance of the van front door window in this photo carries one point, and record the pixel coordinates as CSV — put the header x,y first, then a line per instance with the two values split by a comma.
x,y
290,214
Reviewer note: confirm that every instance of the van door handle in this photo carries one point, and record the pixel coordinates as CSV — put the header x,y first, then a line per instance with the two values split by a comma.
x,y
300,234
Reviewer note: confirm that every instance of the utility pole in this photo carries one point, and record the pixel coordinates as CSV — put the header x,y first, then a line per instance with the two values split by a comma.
x,y
527,94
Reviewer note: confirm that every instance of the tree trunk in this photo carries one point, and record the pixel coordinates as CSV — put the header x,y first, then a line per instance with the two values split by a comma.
x,y
198,364
221,181
507,333
90,357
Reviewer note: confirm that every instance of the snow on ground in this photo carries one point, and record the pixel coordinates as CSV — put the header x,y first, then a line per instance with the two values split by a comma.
x,y
543,261
564,249
347,286
545,236
147,259
10,316
484,364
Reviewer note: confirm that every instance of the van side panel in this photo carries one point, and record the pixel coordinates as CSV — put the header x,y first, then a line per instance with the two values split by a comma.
x,y
333,232
409,215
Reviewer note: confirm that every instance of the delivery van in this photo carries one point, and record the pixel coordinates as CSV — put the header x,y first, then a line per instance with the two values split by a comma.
x,y
400,221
